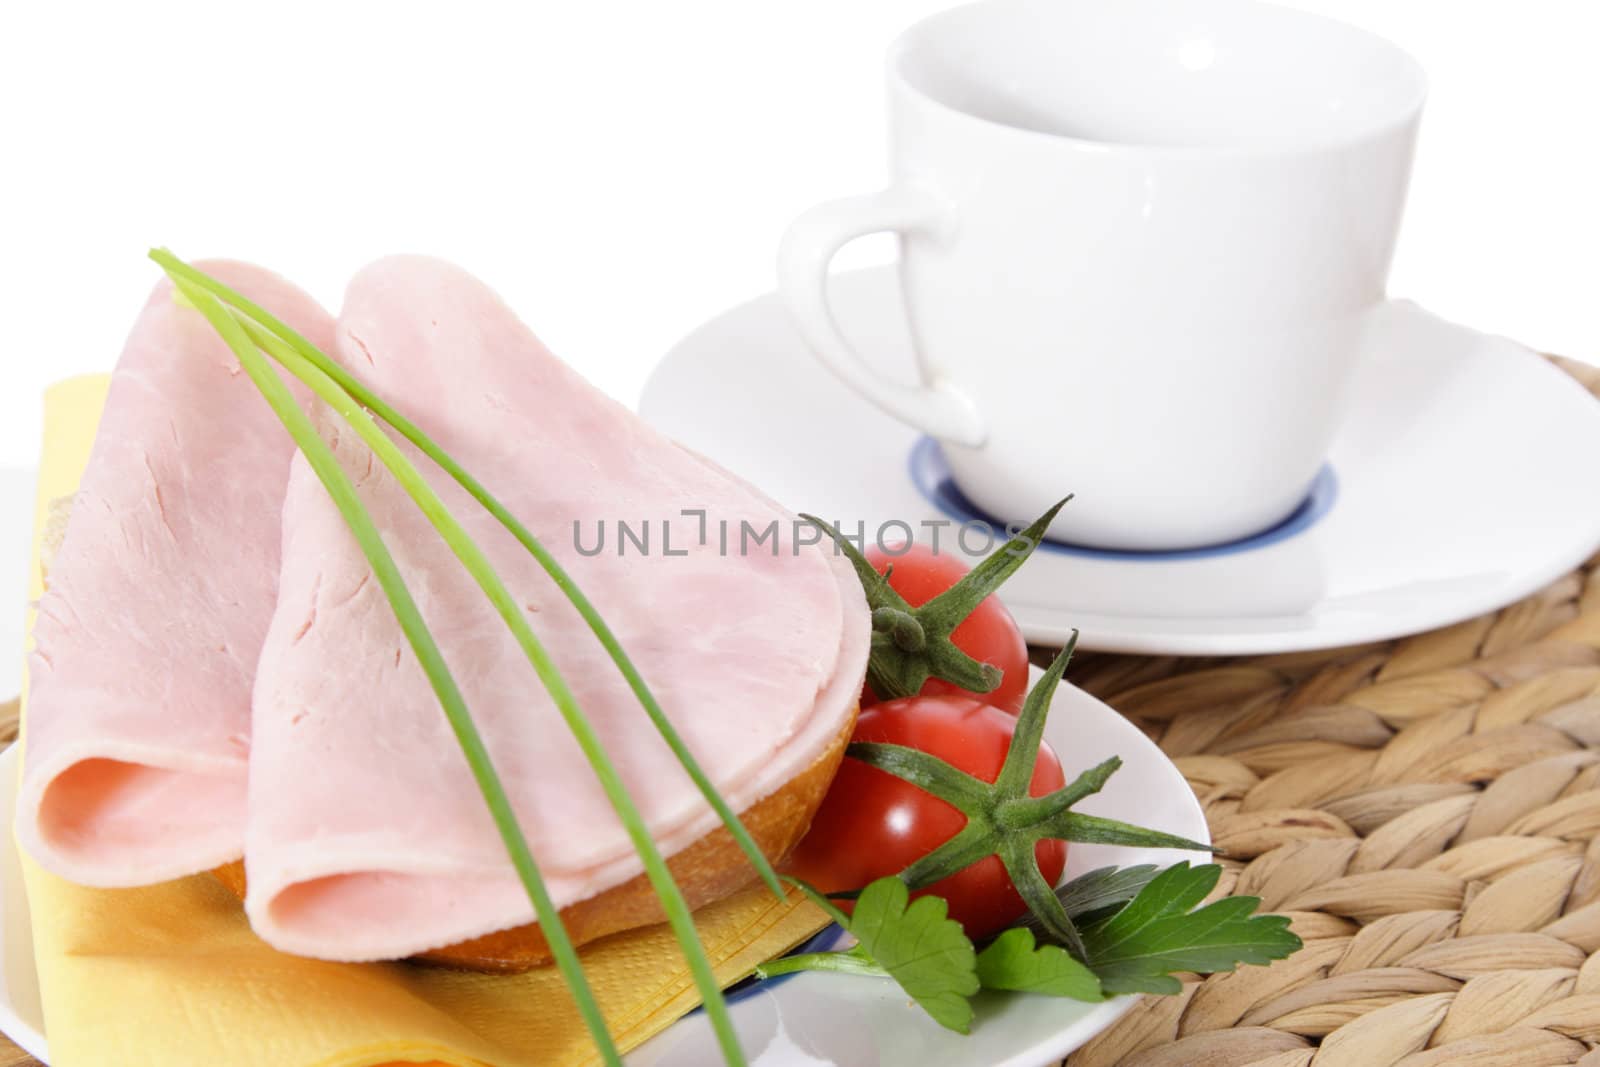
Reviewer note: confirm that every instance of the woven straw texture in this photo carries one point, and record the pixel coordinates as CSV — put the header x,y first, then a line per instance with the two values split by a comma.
x,y
1428,813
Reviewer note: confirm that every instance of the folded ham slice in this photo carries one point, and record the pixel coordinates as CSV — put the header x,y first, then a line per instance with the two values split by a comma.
x,y
158,600
368,838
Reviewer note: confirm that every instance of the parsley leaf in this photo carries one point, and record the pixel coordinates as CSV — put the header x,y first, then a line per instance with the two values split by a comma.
x,y
1143,926
1013,962
1137,949
914,942
921,947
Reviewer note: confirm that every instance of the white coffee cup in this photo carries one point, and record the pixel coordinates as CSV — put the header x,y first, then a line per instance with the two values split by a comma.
x,y
1139,244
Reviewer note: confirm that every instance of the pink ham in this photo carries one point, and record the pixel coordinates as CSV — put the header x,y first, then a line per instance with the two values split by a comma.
x,y
367,837
157,604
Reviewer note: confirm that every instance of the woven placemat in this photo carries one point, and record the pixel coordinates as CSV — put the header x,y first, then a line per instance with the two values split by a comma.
x,y
1428,813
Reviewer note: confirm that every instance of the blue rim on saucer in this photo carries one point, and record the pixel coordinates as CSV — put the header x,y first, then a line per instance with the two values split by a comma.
x,y
930,473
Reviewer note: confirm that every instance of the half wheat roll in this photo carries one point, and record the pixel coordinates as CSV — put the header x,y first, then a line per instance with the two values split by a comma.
x,y
707,871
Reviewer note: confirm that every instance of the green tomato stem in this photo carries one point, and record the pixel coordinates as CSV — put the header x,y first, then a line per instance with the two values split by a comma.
x,y
902,627
970,844
1030,811
1004,820
909,645
1017,772
925,771
950,608
1022,867
1097,830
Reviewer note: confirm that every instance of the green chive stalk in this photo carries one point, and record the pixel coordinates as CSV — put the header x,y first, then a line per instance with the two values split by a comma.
x,y
384,568
477,564
262,327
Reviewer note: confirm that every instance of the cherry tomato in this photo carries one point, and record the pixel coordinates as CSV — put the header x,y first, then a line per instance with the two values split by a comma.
x,y
872,824
989,634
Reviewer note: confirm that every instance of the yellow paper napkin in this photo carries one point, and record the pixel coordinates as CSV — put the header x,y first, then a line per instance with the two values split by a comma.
x,y
171,975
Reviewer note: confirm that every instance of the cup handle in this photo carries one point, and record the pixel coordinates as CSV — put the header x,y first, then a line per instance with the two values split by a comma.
x,y
937,408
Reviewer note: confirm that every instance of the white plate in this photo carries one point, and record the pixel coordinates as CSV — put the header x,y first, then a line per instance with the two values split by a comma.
x,y
21,1015
16,531
1466,476
814,1019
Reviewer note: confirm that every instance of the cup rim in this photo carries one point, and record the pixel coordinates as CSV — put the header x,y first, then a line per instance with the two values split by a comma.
x,y
1403,116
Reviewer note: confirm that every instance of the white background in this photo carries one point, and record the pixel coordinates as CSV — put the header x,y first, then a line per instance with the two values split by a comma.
x,y
622,170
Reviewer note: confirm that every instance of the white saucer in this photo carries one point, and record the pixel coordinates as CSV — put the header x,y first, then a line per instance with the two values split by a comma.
x,y
1466,477
814,1019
